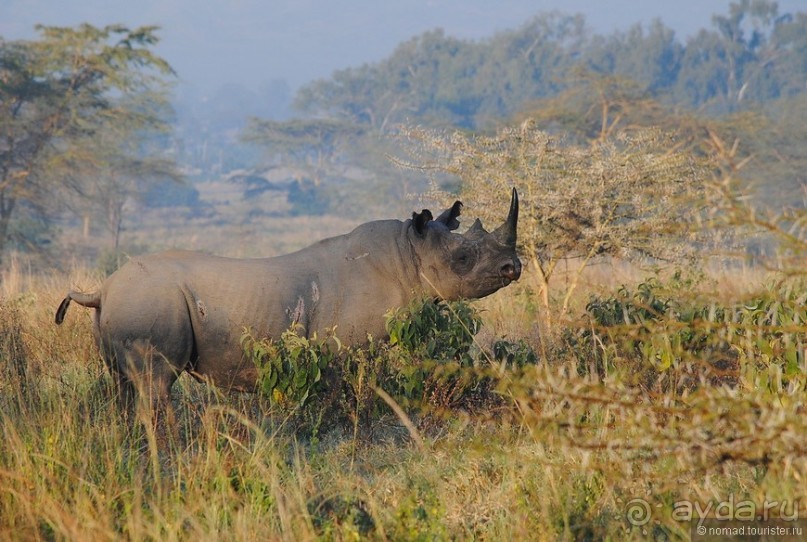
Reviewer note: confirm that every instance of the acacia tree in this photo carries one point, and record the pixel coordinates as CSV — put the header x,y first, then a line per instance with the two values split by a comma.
x,y
593,106
627,196
59,97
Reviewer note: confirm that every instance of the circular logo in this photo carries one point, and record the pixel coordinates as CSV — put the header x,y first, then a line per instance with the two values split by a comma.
x,y
638,512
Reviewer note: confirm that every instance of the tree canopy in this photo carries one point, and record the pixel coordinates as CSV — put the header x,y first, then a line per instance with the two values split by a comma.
x,y
751,55
75,105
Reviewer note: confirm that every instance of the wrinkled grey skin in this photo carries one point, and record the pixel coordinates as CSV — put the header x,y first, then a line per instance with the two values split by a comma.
x,y
176,311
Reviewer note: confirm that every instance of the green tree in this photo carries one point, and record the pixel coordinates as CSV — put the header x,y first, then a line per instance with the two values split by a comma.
x,y
59,96
651,58
407,84
445,81
595,106
127,164
754,54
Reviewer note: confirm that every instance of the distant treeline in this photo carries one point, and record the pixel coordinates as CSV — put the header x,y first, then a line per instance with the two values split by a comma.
x,y
752,54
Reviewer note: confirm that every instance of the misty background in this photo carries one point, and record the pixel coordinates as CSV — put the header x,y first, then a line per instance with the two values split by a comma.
x,y
267,49
254,43
290,108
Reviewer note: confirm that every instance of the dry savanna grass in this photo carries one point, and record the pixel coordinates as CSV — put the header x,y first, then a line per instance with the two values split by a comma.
x,y
598,440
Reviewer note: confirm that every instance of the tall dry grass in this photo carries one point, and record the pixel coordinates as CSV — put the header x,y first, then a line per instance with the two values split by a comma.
x,y
568,458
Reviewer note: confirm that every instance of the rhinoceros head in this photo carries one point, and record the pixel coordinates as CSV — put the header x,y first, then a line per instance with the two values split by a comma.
x,y
469,265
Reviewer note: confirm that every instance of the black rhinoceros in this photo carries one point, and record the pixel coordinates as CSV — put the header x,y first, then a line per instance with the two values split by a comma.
x,y
176,311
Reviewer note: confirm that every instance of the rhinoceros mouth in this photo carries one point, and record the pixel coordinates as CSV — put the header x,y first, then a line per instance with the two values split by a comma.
x,y
504,281
486,287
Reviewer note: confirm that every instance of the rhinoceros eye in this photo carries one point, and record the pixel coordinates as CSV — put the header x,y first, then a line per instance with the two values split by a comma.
x,y
463,260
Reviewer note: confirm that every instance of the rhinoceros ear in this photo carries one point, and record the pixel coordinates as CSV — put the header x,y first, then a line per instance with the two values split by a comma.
x,y
449,216
420,220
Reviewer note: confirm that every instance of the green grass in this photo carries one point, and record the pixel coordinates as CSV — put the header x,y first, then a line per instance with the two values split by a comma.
x,y
563,454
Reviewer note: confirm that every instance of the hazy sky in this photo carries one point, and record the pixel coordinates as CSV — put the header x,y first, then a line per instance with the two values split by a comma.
x,y
250,42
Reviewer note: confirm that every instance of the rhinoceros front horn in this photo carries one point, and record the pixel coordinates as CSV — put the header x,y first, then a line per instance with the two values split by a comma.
x,y
506,233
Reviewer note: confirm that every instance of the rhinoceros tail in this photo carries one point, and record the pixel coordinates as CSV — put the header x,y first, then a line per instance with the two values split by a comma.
x,y
88,300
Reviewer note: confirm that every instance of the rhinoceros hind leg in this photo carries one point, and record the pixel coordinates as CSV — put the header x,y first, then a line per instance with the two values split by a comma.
x,y
142,373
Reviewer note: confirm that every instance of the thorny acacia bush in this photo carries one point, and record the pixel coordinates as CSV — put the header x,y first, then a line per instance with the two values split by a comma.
x,y
629,196
732,206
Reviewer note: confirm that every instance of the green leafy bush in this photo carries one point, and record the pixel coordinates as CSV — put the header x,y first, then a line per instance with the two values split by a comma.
x,y
436,361
341,515
770,335
439,331
418,517
514,354
289,369
657,329
430,362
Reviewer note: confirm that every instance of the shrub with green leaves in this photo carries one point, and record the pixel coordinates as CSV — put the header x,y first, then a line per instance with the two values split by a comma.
x,y
431,361
514,354
436,360
433,355
654,330
770,335
289,369
439,331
